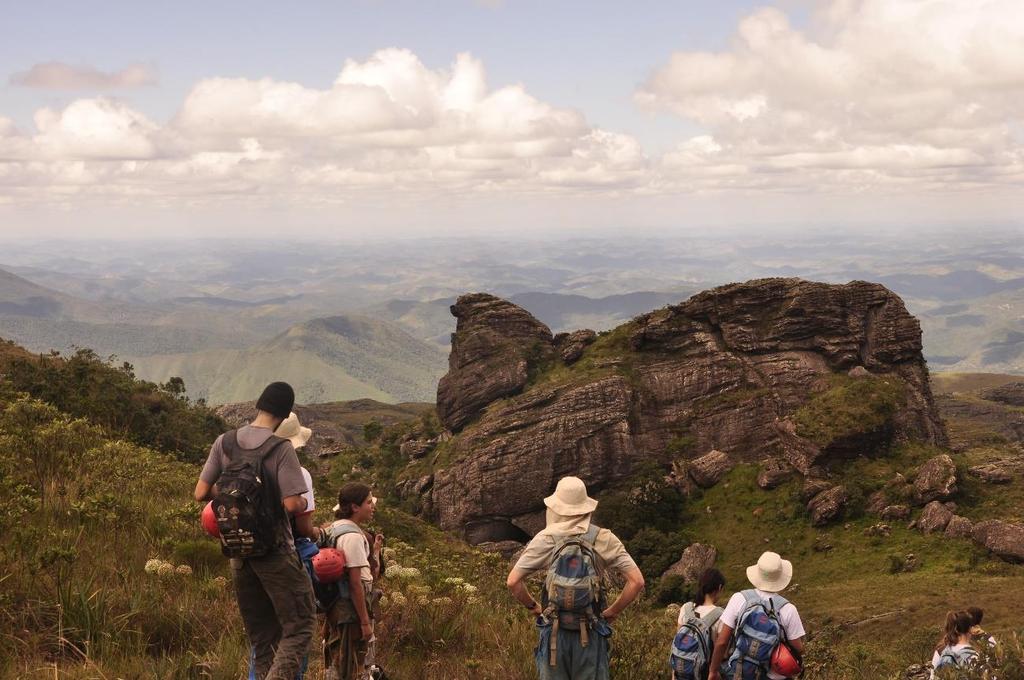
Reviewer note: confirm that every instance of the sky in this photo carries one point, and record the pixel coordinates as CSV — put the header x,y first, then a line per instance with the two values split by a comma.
x,y
371,117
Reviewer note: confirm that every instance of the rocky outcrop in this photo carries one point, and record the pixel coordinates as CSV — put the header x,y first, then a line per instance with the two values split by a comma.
x,y
936,480
934,518
1011,394
571,345
1004,539
709,468
494,344
827,505
696,559
726,370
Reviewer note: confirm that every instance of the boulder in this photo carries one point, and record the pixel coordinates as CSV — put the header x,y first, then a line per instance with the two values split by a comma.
x,y
897,512
1004,539
827,505
709,468
416,448
773,473
936,480
991,473
813,487
494,345
696,559
877,502
859,372
935,517
1011,394
570,346
959,527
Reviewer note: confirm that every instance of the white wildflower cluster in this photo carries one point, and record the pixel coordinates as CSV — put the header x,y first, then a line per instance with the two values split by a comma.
x,y
398,599
672,611
164,568
468,588
442,601
418,589
390,554
396,571
221,581
455,581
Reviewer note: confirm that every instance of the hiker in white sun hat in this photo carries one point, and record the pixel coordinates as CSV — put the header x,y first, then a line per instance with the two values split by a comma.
x,y
575,554
758,610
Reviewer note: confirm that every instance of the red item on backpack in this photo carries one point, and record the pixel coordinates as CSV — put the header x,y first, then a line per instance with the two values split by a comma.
x,y
209,520
329,565
784,663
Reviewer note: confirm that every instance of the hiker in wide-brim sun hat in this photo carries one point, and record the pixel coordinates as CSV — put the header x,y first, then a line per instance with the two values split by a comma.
x,y
292,430
771,573
570,498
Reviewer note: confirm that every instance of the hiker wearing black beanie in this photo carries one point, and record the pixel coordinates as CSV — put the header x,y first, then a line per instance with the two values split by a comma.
x,y
275,597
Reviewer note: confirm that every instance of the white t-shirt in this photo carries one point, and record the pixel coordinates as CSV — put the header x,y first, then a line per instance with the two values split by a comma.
x,y
356,549
936,656
789,617
310,502
703,610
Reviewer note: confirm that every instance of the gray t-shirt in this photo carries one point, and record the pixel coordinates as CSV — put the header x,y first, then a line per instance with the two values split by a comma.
x,y
281,466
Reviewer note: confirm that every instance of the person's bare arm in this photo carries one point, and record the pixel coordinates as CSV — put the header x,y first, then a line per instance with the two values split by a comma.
x,y
721,646
797,645
205,491
634,586
294,504
355,587
516,583
304,525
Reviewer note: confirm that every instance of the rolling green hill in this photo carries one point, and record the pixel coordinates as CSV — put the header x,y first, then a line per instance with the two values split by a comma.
x,y
330,359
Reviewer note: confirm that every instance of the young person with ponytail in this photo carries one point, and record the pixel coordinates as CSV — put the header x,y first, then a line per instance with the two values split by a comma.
x,y
954,649
705,601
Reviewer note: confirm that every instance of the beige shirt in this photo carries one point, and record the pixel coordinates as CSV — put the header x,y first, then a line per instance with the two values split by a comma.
x,y
611,554
356,549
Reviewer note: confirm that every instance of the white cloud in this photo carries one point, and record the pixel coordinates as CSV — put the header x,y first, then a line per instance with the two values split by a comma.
x,y
387,123
55,75
872,94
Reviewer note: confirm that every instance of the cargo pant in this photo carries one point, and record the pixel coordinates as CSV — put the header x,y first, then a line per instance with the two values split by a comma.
x,y
573,660
275,599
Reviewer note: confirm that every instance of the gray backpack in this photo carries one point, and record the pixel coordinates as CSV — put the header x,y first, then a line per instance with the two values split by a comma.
x,y
956,658
692,645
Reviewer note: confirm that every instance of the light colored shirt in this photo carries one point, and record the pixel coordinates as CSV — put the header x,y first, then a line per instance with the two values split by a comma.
x,y
310,501
611,554
936,657
703,610
356,549
789,618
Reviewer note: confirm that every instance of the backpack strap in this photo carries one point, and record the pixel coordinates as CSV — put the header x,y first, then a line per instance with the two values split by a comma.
x,y
712,617
229,443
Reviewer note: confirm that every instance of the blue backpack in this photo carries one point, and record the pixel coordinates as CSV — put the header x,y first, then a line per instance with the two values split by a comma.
x,y
692,645
758,632
957,658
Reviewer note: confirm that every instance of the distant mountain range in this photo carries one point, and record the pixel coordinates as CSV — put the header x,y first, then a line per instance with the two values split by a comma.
x,y
330,359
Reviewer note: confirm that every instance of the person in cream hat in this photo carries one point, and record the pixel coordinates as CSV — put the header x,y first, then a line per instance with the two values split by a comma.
x,y
292,430
565,651
770,576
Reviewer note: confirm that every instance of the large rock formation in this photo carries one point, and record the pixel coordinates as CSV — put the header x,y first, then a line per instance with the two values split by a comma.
x,y
492,348
727,370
